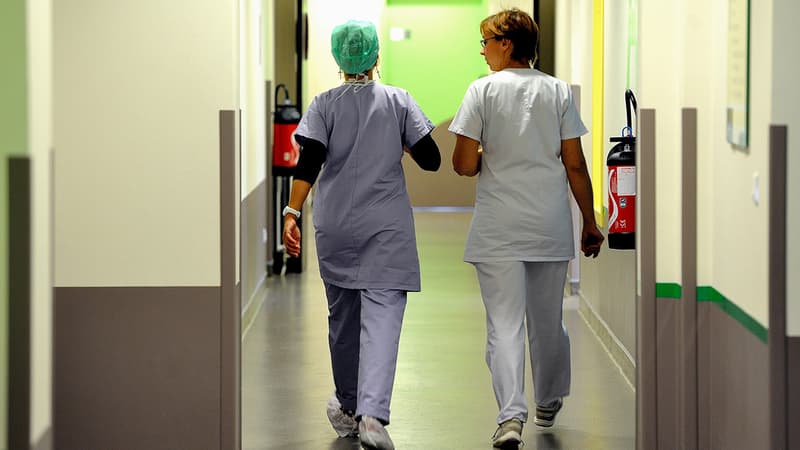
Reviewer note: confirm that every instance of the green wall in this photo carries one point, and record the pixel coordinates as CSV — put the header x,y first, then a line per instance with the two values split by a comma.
x,y
13,98
441,57
13,140
433,2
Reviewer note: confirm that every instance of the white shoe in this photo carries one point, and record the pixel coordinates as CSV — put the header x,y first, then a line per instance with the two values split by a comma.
x,y
508,434
373,435
546,415
344,424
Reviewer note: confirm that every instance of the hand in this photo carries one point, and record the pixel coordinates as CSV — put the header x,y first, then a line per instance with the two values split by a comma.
x,y
591,241
291,235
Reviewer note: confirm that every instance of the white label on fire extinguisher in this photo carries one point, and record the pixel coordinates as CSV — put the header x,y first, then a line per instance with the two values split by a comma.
x,y
626,180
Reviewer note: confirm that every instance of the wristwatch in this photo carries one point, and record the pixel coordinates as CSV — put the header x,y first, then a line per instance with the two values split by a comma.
x,y
291,210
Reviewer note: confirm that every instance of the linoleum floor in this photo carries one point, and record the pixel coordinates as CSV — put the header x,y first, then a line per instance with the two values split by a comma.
x,y
443,396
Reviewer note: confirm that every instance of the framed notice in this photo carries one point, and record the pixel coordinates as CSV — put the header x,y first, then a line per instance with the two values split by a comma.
x,y
737,110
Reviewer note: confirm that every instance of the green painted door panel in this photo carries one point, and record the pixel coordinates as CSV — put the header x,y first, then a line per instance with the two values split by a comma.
x,y
13,141
440,57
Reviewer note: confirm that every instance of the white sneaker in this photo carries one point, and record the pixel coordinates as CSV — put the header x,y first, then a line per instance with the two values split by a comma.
x,y
344,424
508,434
546,415
373,435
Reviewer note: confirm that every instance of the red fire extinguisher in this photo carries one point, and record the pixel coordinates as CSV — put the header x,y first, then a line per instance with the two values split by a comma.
x,y
621,164
284,151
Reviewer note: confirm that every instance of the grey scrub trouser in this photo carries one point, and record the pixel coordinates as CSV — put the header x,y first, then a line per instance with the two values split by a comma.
x,y
363,334
514,292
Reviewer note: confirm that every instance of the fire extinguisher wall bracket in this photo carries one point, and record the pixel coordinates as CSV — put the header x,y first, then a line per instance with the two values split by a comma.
x,y
621,164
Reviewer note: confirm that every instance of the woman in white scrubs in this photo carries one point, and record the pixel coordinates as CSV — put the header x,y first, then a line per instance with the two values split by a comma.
x,y
353,138
519,131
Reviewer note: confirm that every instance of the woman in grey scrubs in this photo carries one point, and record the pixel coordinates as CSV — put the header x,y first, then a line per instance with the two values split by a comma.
x,y
353,137
519,131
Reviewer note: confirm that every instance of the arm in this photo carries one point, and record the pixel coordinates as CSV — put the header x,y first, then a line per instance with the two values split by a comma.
x,y
426,154
291,232
466,156
308,167
581,185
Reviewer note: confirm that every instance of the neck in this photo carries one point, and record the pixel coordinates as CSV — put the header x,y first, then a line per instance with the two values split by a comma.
x,y
358,76
517,65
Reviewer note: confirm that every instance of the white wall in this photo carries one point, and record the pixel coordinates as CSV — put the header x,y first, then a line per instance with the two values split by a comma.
x,y
138,88
786,111
40,141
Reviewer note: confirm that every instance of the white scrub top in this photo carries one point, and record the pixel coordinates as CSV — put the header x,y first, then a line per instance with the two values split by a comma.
x,y
362,214
522,211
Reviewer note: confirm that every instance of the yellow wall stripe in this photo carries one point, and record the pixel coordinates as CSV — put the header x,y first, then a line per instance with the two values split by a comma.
x,y
598,142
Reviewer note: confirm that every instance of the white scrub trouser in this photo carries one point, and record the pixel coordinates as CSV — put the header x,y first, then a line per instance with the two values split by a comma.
x,y
514,291
364,334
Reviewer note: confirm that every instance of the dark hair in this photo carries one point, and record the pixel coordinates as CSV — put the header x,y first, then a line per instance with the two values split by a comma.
x,y
519,28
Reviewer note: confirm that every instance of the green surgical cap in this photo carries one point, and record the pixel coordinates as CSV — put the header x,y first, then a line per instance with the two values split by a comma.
x,y
354,45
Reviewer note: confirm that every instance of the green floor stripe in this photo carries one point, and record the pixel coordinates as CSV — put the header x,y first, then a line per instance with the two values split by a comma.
x,y
709,294
668,290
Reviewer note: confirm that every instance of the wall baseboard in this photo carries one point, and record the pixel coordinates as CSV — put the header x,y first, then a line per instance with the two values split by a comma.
x,y
253,305
616,351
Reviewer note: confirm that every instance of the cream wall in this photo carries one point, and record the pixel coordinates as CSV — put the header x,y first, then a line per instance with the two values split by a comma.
x,y
606,283
786,111
323,16
137,141
563,36
705,48
660,61
614,82
740,228
683,64
40,140
252,94
574,57
268,38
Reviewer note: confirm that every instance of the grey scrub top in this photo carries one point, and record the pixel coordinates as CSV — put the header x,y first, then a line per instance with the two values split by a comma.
x,y
362,215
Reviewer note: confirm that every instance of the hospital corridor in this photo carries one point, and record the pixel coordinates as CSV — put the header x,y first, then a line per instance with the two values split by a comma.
x,y
442,397
343,224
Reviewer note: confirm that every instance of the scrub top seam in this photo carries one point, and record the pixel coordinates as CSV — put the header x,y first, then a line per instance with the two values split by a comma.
x,y
351,224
